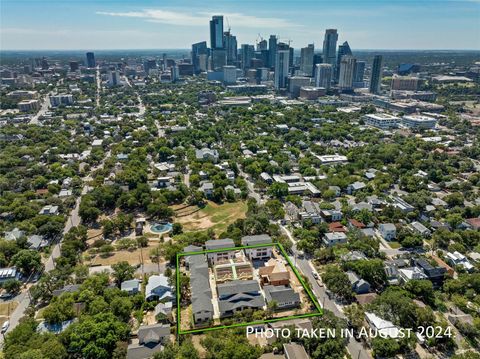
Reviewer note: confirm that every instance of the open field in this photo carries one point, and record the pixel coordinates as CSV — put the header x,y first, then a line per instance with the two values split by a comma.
x,y
215,216
6,309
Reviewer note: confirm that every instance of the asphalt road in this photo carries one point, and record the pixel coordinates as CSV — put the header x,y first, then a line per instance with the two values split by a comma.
x,y
356,349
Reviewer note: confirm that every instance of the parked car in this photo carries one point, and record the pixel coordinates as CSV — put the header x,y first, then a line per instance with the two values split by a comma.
x,y
315,275
5,326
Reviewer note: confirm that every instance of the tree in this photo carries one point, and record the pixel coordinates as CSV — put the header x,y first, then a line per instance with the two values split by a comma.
x,y
229,344
12,286
95,336
454,199
421,289
60,309
177,228
337,282
28,261
122,308
278,190
122,271
355,315
385,348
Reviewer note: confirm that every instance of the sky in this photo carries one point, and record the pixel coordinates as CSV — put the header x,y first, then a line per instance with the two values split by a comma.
x,y
176,24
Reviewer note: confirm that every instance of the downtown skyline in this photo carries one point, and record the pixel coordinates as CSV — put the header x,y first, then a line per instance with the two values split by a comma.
x,y
27,25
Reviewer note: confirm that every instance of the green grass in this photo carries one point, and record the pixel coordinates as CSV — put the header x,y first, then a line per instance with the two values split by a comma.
x,y
394,245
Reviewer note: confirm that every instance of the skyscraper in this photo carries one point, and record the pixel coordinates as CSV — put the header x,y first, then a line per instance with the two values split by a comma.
x,y
230,43
281,68
90,59
272,51
306,60
376,78
216,32
149,64
323,75
262,45
73,66
247,53
219,59
200,48
330,46
358,74
343,50
347,68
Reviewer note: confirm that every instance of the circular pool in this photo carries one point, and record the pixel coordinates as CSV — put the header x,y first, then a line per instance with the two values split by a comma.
x,y
161,227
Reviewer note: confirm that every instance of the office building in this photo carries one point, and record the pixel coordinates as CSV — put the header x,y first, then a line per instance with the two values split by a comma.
x,y
306,60
272,51
90,59
198,49
381,120
230,43
262,45
330,47
376,76
343,50
61,99
347,68
149,64
247,52
218,59
229,75
420,122
28,105
216,32
113,78
74,66
405,83
295,83
282,59
358,74
323,75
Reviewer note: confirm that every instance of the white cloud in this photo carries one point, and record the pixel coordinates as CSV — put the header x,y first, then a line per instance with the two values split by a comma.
x,y
201,18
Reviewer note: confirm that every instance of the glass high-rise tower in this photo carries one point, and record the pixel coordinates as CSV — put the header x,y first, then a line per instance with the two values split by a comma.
x,y
376,77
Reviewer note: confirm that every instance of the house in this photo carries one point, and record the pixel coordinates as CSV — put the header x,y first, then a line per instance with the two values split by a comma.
x,y
401,204
151,339
9,273
474,223
206,154
337,227
295,351
71,288
65,193
36,242
359,286
353,223
274,273
238,295
310,212
335,190
131,286
458,259
266,177
49,210
283,295
355,186
14,234
407,274
334,238
435,274
357,207
202,307
383,327
163,310
388,231
353,256
457,317
215,244
207,189
158,288
330,215
420,229
257,253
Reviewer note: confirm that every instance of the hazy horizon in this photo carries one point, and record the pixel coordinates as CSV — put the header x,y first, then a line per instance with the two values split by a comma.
x,y
145,24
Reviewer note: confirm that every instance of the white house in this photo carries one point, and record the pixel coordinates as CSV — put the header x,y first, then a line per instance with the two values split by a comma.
x,y
216,244
256,253
158,288
334,238
388,231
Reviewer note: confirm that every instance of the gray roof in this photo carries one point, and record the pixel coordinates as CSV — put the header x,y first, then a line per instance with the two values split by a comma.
x,y
219,243
388,226
241,301
200,284
295,351
257,239
67,289
153,333
237,286
280,294
129,285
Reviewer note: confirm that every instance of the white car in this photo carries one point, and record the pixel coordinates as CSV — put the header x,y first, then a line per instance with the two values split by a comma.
x,y
315,275
5,326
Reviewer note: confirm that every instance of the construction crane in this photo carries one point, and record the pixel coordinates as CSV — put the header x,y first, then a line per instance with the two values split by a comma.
x,y
228,24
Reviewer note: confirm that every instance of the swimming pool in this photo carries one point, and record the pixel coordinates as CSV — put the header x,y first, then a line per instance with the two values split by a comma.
x,y
161,227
